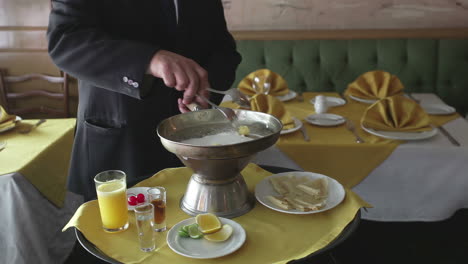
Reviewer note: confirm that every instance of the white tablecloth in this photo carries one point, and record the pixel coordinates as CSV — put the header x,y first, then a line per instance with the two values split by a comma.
x,y
421,180
31,226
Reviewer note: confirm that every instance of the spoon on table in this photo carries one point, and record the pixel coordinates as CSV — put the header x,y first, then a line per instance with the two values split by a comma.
x,y
2,145
27,130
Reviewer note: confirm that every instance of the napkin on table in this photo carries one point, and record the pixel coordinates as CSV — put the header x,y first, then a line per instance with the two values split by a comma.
x,y
375,85
396,113
271,105
6,120
250,87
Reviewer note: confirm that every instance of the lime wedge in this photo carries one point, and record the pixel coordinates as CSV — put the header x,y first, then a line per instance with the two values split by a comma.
x,y
194,232
182,233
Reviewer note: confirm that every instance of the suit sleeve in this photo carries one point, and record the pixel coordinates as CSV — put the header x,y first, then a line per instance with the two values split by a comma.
x,y
78,45
224,59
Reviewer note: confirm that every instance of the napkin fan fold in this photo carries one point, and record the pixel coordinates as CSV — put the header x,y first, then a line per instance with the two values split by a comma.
x,y
375,85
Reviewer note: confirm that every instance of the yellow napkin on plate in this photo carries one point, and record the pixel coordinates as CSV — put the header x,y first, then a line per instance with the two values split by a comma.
x,y
6,120
265,77
271,105
375,85
396,113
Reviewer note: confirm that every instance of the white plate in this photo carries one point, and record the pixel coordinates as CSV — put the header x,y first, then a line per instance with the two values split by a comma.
x,y
325,119
297,125
202,248
289,96
331,101
401,135
336,192
438,109
367,101
12,126
135,191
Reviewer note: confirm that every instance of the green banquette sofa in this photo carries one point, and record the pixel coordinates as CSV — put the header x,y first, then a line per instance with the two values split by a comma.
x,y
426,60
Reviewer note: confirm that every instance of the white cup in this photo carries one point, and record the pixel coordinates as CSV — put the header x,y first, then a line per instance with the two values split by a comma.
x,y
320,104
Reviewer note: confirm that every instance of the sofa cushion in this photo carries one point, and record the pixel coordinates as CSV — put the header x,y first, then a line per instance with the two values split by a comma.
x,y
437,66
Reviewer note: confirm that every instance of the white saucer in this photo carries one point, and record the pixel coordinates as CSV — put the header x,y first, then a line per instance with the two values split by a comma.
x,y
438,109
325,119
13,125
297,125
289,96
401,135
362,100
135,191
331,101
202,248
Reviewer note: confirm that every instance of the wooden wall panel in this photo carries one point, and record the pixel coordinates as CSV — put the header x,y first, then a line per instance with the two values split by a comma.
x,y
345,14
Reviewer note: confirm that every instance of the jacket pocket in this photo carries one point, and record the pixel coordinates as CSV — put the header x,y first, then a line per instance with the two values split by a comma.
x,y
103,143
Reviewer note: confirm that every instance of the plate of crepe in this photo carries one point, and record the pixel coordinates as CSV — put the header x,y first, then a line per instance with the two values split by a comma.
x,y
299,192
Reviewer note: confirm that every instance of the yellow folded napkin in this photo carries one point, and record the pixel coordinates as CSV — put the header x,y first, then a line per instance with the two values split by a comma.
x,y
396,113
6,120
271,105
375,85
277,85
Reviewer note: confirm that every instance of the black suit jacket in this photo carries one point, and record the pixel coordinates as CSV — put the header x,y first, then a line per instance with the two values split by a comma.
x,y
107,45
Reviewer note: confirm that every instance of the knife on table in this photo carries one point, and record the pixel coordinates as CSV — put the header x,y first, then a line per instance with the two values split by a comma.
x,y
304,132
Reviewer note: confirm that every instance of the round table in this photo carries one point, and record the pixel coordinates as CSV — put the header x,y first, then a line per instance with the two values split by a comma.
x,y
347,231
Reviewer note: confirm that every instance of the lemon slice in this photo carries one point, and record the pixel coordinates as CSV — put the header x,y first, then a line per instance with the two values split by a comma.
x,y
208,223
221,235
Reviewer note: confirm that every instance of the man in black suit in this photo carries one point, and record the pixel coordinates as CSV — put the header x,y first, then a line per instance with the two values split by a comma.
x,y
137,62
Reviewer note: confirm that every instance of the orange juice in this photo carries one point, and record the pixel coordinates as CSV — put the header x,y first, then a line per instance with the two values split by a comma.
x,y
112,200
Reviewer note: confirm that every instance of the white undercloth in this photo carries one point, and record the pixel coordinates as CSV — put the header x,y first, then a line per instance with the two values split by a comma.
x,y
31,226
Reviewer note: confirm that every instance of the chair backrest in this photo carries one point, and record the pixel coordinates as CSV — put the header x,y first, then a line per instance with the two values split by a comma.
x,y
34,98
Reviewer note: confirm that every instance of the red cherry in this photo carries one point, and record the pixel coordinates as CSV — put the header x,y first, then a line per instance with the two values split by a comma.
x,y
132,200
140,198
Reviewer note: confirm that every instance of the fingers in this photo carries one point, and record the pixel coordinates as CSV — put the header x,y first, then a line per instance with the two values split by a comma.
x,y
182,107
181,73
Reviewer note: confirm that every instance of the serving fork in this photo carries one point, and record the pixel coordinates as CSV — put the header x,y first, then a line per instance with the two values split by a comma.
x,y
236,96
227,112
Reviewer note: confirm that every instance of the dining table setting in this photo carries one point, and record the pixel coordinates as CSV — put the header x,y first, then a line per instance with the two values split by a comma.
x,y
264,229
34,160
398,150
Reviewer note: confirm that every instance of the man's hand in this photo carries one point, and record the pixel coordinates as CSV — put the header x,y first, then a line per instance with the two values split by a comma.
x,y
183,74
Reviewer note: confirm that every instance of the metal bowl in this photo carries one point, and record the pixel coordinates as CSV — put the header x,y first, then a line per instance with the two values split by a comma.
x,y
216,185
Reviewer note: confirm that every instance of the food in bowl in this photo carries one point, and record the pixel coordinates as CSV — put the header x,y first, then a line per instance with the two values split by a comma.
x,y
223,138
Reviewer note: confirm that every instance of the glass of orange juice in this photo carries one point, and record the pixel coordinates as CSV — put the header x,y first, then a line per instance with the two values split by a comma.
x,y
111,187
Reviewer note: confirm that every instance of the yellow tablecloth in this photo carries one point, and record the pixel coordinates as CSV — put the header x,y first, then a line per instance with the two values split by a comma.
x,y
42,156
272,237
332,150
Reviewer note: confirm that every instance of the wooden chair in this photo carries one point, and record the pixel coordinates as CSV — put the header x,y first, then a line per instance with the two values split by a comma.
x,y
33,100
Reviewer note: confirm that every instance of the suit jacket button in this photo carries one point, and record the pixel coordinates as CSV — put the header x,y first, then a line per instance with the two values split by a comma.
x,y
135,84
130,82
125,79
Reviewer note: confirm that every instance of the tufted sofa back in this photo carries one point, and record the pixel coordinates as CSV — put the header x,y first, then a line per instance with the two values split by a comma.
x,y
425,61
